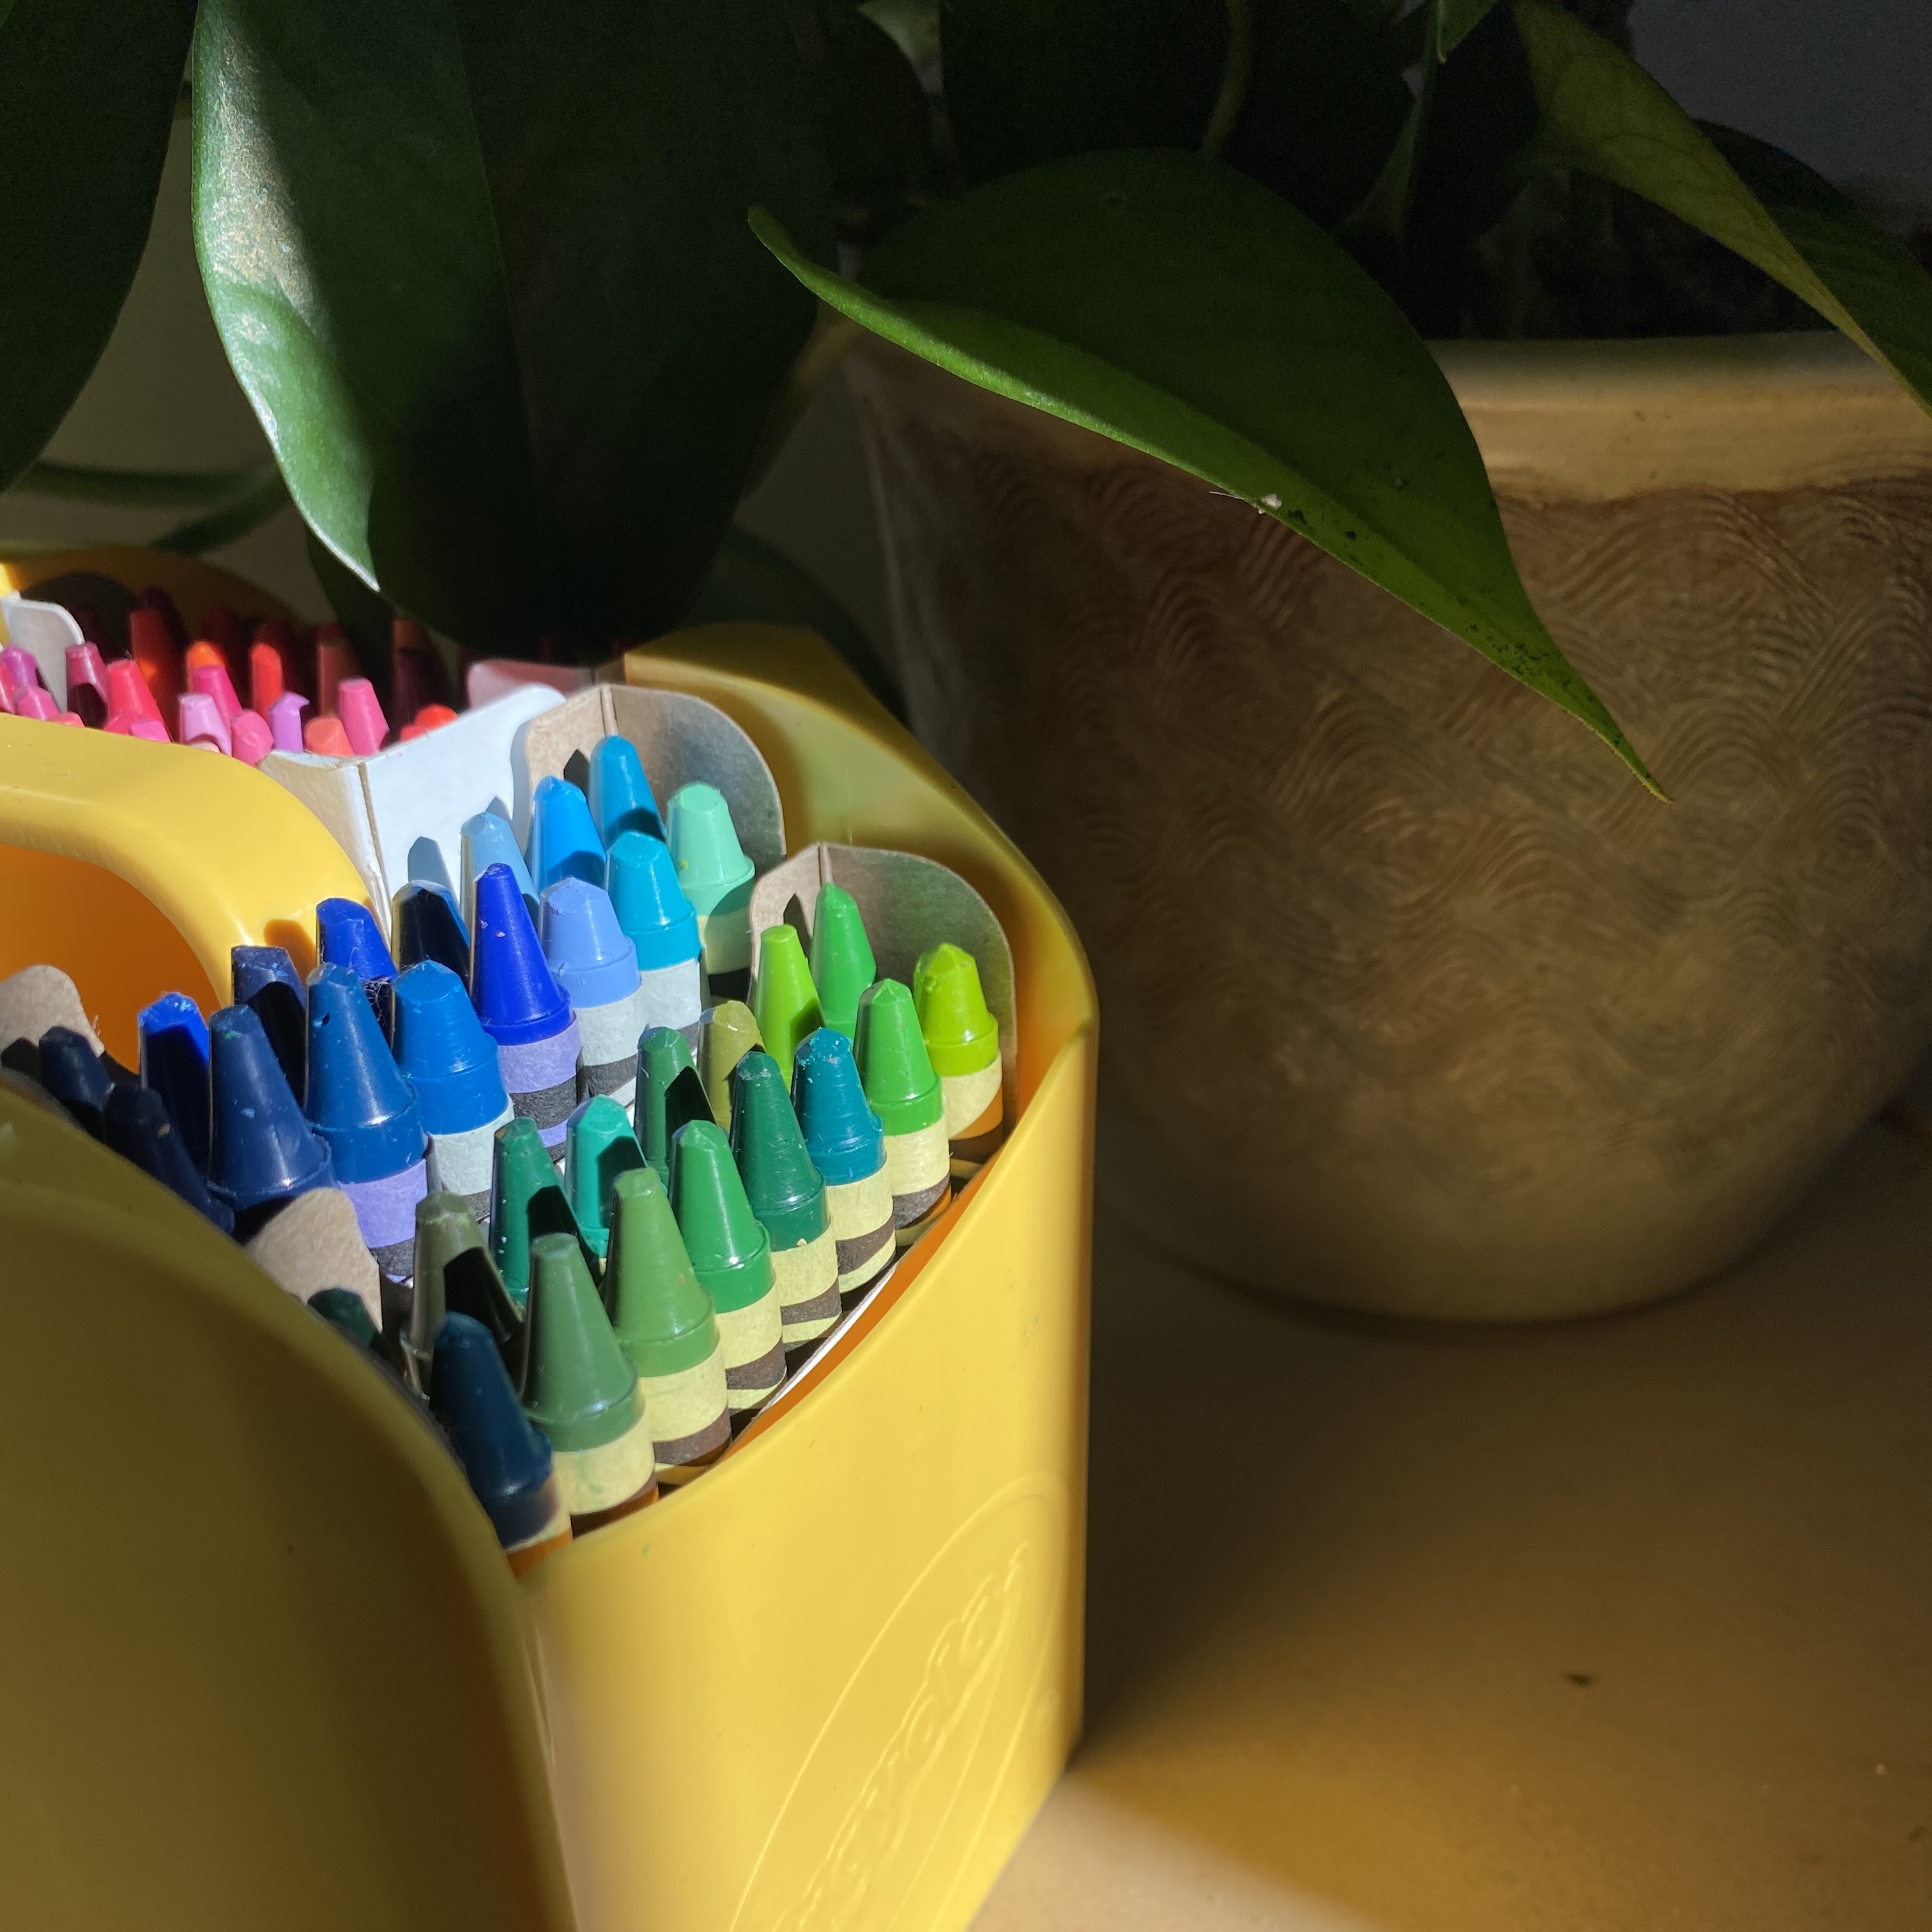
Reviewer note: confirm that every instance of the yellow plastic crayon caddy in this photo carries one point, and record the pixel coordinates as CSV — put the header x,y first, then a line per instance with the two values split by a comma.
x,y
268,1667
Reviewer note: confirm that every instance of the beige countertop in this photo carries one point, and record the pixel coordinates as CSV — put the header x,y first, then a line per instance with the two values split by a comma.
x,y
1624,1625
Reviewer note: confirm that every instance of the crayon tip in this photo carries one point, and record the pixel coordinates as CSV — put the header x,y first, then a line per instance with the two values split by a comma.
x,y
659,1309
325,738
211,679
669,1093
595,964
620,794
650,905
449,1061
174,1063
525,1201
261,1147
249,738
726,1033
712,868
357,1100
347,935
87,685
487,841
427,924
961,1035
842,965
721,1234
515,992
454,1275
509,1464
130,702
579,1387
598,1146
284,715
342,1308
783,1000
198,721
265,980
785,1190
361,711
74,1074
152,645
901,1087
265,684
564,844
137,1125
843,1136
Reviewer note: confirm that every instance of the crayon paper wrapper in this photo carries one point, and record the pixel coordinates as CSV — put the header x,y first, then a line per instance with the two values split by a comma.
x,y
461,1163
967,1096
671,996
607,1052
684,1407
385,1211
726,938
751,1338
805,1273
592,1480
916,1162
541,1077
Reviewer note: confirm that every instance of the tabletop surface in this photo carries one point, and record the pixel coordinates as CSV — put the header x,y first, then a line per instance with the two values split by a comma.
x,y
1622,1624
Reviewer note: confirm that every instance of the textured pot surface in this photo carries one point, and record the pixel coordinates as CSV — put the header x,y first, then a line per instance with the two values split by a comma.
x,y
1413,1000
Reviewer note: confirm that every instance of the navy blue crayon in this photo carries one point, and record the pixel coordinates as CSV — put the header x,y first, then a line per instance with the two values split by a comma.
x,y
564,844
347,935
174,1063
138,1126
523,1008
454,1068
427,924
266,981
362,1106
72,1072
621,799
262,1153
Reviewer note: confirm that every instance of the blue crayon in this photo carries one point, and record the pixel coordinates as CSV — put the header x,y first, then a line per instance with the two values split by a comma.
x,y
266,981
450,1064
362,1107
262,1153
509,1465
523,1008
73,1073
138,1125
846,1142
487,841
597,966
658,921
427,924
620,794
347,935
174,1063
564,844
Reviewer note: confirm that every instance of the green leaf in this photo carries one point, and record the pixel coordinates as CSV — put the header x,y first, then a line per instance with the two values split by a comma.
x,y
90,89
751,582
481,268
1602,114
1260,358
141,489
1456,20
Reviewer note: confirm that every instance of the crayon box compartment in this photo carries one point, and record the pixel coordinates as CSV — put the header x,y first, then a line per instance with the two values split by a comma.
x,y
828,1684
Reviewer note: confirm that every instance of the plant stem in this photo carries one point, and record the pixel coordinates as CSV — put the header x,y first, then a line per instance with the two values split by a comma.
x,y
1236,71
132,489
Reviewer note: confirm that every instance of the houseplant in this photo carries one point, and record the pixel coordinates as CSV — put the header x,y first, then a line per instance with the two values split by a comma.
x,y
481,269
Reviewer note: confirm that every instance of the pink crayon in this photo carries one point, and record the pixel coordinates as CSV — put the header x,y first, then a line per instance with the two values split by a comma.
x,y
131,709
361,711
35,703
18,670
249,736
87,684
211,680
285,721
200,721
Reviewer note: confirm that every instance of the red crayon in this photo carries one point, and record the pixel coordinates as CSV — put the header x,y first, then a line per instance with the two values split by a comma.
x,y
221,628
298,665
152,646
131,709
335,662
415,671
156,599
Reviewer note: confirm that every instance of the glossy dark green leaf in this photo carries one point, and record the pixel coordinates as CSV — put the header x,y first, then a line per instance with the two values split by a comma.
x,y
1456,20
481,268
877,122
1602,114
1261,358
1029,81
91,91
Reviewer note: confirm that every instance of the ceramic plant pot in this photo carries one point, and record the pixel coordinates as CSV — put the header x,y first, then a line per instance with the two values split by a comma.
x,y
1414,1001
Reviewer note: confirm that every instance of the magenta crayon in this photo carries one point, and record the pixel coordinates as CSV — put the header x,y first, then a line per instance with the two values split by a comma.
x,y
20,671
87,685
249,738
31,701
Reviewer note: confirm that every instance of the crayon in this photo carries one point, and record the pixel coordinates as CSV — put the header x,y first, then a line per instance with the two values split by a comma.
x,y
174,1063
620,793
663,1322
510,1470
325,737
37,998
131,709
716,878
426,922
564,844
725,1034
597,967
455,1275
72,1072
416,679
19,670
222,628
40,705
363,1108
335,663
138,1127
581,1391
526,1200
87,685
657,919
199,656
22,1057
783,1000
344,1311
598,1146
523,1008
787,1195
198,721
284,715
295,664
154,598
261,1152
669,1093
361,711
264,980
962,1040
267,686
450,1064
347,935
842,965
731,1255
431,718
152,645
250,739
7,709
316,1242
847,1146
211,680
902,1089
487,841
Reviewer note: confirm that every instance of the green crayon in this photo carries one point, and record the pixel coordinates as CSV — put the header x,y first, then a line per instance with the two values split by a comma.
x,y
669,1093
598,1146
787,1195
526,1200
455,1275
726,1034
902,1089
716,878
663,1322
962,1039
581,1389
783,1000
842,965
732,1254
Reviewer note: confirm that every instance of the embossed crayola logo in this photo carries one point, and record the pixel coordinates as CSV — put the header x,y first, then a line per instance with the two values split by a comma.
x,y
949,1692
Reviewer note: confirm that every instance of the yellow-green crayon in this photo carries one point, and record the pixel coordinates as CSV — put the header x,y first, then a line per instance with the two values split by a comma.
x,y
842,965
581,1391
962,1039
663,1319
732,1254
787,1195
783,1000
726,1033
902,1089
847,1146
